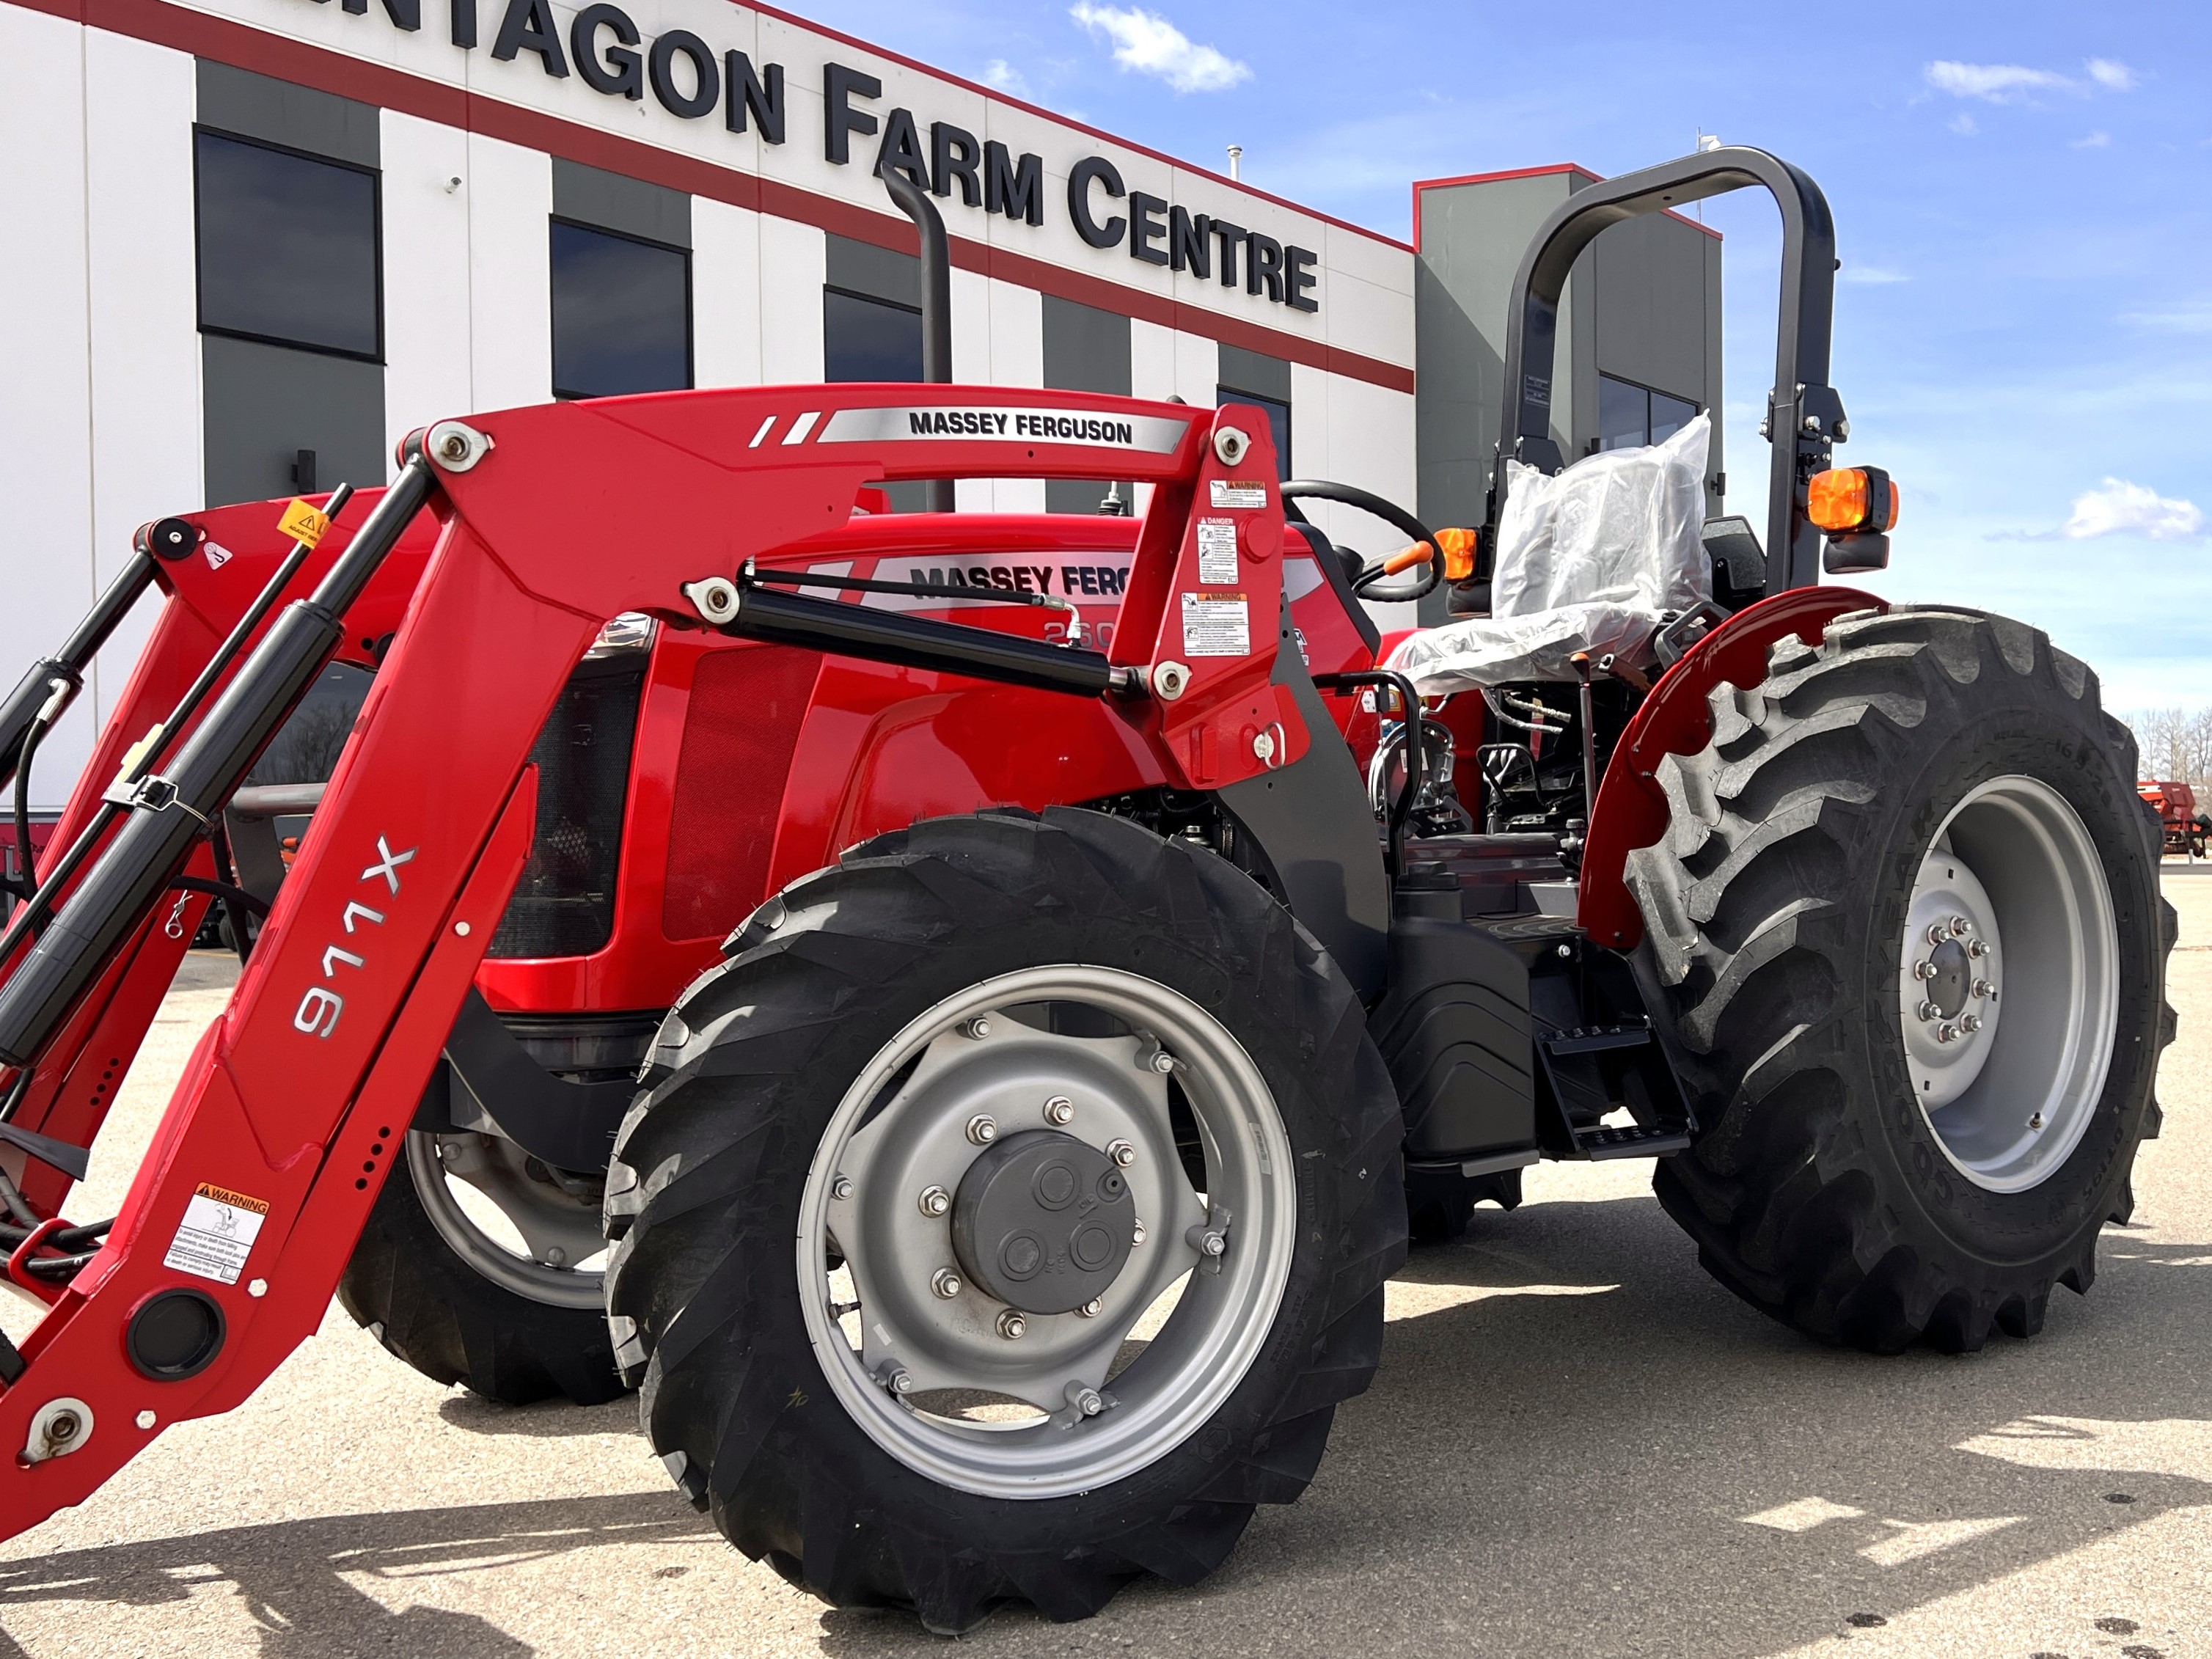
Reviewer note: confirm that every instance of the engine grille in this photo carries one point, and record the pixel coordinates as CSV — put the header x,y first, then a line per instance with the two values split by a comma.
x,y
746,706
564,905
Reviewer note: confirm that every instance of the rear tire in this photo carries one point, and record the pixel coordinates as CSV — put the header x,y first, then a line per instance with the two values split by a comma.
x,y
1785,930
755,1410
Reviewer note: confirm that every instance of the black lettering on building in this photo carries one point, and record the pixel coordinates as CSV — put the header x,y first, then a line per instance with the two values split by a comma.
x,y
1228,238
404,13
1094,169
617,70
667,86
1263,266
1186,242
953,154
761,96
839,85
464,24
1013,188
1297,278
529,27
901,149
1147,228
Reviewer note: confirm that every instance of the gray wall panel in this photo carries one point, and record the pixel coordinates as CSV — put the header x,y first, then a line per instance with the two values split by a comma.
x,y
613,201
266,402
1255,372
256,106
1085,349
881,273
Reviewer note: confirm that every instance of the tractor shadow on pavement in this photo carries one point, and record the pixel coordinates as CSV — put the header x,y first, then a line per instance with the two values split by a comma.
x,y
295,1578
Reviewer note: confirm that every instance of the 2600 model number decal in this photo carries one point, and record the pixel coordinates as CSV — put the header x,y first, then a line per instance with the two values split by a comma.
x,y
320,1006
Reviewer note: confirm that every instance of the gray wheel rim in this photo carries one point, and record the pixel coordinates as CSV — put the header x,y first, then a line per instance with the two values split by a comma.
x,y
2009,984
547,1217
888,1144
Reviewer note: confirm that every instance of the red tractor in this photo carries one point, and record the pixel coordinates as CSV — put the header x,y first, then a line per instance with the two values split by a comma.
x,y
953,1009
2186,830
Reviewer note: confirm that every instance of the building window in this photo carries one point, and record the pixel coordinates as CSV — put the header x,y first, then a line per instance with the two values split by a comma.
x,y
288,248
622,313
864,338
1629,415
1279,421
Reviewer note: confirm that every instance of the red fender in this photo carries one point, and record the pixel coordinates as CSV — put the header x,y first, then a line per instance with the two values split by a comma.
x,y
1677,718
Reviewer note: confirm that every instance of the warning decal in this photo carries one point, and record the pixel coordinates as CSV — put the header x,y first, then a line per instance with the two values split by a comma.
x,y
1216,625
217,1233
1217,552
1239,492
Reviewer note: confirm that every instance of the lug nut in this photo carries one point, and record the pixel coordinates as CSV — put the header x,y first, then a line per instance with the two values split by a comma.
x,y
1206,1240
1091,1309
1971,1023
1137,1234
1060,1109
1011,1325
983,1129
1928,1013
896,1378
946,1283
1122,1152
1937,933
1977,948
1086,1399
1923,969
1984,989
935,1201
977,1027
1960,927
1162,1061
1946,1034
842,1188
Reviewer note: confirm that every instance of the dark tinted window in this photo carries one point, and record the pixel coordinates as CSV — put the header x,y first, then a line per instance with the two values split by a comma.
x,y
1629,415
1279,422
1669,416
865,339
288,248
305,747
621,314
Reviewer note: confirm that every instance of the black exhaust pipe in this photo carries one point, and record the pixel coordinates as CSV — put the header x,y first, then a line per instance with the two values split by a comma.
x,y
936,299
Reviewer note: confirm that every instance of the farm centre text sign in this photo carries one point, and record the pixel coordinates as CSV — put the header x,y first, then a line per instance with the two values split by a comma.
x,y
603,47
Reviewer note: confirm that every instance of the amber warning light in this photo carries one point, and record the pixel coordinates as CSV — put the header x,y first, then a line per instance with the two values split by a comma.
x,y
1856,506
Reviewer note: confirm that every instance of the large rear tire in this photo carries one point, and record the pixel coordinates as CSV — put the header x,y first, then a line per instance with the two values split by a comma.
x,y
1907,924
867,1415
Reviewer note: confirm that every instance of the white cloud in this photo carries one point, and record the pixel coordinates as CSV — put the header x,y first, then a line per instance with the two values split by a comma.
x,y
1004,76
1964,125
2121,508
1148,43
2094,141
1995,83
2112,74
1872,276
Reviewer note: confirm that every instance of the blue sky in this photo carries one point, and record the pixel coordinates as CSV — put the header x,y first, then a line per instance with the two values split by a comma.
x,y
2023,196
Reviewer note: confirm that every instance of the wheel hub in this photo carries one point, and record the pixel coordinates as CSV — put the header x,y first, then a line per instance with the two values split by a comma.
x,y
1044,1222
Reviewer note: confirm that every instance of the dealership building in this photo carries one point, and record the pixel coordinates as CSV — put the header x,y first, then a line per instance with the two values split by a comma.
x,y
252,242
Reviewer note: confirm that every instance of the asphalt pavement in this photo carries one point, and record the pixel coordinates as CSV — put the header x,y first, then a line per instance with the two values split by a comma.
x,y
1579,1445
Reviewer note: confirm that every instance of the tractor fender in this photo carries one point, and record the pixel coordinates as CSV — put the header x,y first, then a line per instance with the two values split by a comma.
x,y
1676,718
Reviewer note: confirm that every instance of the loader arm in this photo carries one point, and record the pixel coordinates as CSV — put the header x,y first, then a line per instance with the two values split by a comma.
x,y
287,1118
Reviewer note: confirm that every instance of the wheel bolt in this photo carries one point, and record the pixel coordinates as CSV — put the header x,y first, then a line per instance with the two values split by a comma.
x,y
897,1379
1937,933
983,1129
1206,1240
946,1283
1929,1012
1971,1023
1085,1400
1960,927
977,1027
935,1201
1946,1034
1122,1152
1011,1325
841,1187
1977,948
1984,989
1923,969
1162,1061
1060,1109
1091,1309
1137,1234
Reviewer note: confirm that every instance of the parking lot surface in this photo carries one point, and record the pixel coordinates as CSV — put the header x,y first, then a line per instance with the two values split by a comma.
x,y
1579,1444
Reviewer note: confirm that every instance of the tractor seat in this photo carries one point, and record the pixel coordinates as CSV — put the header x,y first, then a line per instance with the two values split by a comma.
x,y
1596,561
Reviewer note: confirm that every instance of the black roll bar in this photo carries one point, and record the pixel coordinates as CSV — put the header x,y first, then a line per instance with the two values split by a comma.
x,y
1805,417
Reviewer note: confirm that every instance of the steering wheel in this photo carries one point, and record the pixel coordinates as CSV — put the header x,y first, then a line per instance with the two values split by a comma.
x,y
1366,585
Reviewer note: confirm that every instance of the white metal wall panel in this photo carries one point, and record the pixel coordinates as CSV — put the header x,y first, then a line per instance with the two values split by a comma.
x,y
427,345
793,257
726,289
510,300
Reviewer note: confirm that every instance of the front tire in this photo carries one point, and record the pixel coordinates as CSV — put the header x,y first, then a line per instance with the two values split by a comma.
x,y
882,1443
1925,821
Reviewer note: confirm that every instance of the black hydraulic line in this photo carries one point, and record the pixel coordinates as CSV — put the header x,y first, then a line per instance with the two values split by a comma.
x,y
910,642
920,590
234,899
936,298
68,665
168,811
222,890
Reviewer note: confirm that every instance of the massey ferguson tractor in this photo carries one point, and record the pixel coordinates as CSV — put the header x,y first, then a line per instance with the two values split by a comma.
x,y
961,1012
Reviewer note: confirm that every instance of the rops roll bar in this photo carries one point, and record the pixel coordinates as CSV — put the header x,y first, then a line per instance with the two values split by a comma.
x,y
1802,409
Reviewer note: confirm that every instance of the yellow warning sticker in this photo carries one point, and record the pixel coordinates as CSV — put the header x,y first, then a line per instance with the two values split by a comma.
x,y
217,1233
303,522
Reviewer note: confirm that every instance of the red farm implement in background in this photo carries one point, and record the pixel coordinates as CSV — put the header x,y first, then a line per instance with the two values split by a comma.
x,y
2186,828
